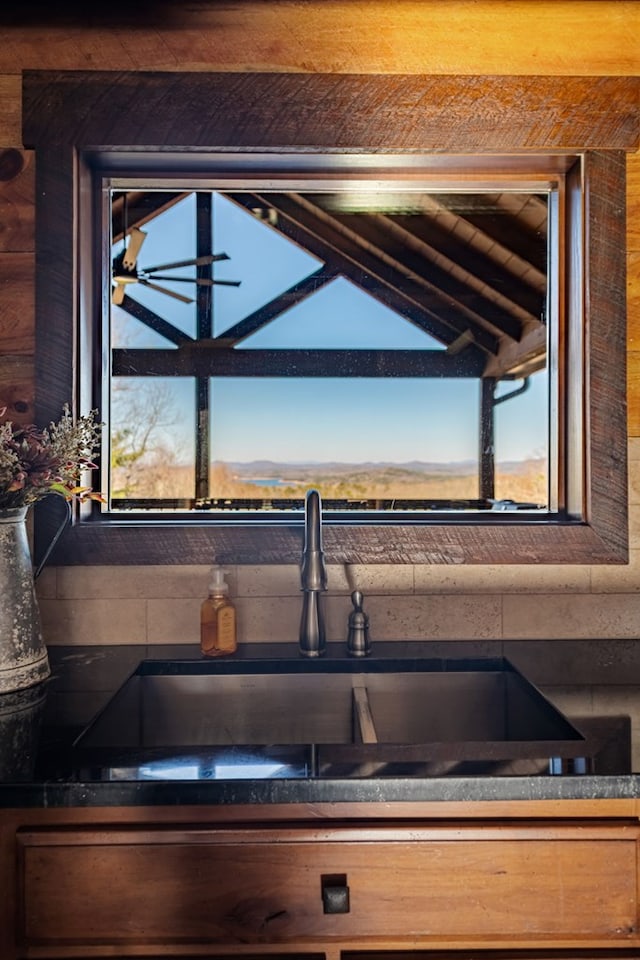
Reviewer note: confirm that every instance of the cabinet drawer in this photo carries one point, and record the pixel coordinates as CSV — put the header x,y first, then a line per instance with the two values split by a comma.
x,y
259,886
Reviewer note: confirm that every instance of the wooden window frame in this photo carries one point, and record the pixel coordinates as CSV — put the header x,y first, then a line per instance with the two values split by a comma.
x,y
71,116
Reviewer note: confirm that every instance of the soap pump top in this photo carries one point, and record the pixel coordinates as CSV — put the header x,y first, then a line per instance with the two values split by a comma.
x,y
218,586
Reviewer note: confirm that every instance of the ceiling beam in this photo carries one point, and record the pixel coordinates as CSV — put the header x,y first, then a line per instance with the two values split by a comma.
x,y
425,307
210,359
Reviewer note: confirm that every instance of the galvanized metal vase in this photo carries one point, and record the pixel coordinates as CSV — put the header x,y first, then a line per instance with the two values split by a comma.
x,y
21,715
23,655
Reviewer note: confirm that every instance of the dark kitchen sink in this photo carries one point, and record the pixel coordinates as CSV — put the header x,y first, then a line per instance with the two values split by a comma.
x,y
203,718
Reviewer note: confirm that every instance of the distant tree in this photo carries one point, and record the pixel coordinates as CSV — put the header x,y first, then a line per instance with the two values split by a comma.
x,y
141,415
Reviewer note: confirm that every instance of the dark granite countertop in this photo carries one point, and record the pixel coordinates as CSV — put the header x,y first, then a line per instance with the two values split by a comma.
x,y
40,767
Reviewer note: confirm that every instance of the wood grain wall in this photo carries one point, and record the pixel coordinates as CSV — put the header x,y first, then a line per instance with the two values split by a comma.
x,y
552,37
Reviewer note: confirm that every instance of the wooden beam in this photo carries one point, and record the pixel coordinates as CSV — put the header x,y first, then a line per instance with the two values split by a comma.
x,y
416,300
285,301
209,359
397,244
151,320
487,439
518,290
520,358
468,114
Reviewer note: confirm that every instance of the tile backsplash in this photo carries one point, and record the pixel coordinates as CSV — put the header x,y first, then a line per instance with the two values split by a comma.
x,y
160,604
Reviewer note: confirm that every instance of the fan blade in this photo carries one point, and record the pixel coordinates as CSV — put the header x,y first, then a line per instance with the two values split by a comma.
x,y
118,294
170,293
200,281
195,262
135,243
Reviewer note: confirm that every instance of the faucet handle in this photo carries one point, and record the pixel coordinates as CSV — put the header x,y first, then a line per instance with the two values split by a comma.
x,y
357,600
358,643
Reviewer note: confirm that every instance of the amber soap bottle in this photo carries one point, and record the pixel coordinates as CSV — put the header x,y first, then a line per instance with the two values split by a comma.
x,y
218,618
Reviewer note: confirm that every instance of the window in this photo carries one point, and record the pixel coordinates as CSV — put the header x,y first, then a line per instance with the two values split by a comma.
x,y
386,343
101,138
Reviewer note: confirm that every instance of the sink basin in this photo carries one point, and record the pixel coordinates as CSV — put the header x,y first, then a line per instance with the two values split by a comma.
x,y
197,709
324,718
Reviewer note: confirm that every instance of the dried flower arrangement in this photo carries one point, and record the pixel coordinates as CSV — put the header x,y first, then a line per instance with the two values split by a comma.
x,y
35,463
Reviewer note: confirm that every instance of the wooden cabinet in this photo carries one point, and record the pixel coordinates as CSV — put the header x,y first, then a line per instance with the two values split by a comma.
x,y
266,886
323,887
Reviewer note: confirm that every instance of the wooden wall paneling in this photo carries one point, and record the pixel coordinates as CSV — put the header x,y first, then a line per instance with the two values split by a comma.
x,y
17,276
633,300
633,201
17,388
633,386
412,36
17,279
17,200
17,337
10,109
53,282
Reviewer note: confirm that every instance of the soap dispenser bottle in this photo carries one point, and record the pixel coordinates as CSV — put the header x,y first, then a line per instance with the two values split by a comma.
x,y
218,618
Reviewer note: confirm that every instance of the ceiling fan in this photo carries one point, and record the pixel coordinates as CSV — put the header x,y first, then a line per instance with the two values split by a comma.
x,y
126,272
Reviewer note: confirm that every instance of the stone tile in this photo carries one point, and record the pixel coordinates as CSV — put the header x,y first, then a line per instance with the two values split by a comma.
x,y
584,662
375,578
135,581
575,617
337,610
274,619
267,580
174,620
633,300
90,621
609,701
633,449
434,617
618,578
501,578
46,583
634,525
173,651
258,619
621,701
443,649
634,481
283,580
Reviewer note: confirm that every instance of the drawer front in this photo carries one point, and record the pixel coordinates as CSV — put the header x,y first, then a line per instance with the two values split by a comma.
x,y
210,887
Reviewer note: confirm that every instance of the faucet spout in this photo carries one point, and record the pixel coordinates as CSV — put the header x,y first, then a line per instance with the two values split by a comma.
x,y
313,579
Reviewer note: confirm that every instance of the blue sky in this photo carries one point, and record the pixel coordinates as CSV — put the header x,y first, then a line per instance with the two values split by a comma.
x,y
315,419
